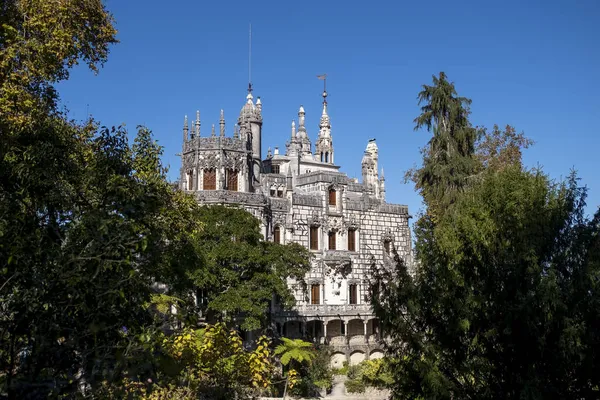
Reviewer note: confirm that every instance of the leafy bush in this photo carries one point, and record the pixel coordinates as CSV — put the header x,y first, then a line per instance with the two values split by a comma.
x,y
355,386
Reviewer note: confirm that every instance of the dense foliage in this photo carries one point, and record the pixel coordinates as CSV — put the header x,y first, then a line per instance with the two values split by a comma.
x,y
241,271
96,246
504,298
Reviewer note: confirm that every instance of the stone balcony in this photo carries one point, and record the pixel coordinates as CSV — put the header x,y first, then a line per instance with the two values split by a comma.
x,y
328,310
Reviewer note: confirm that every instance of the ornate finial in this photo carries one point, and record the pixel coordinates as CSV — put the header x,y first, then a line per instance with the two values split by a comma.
x,y
293,129
269,155
236,131
301,115
185,122
258,104
324,79
382,177
198,123
212,133
222,124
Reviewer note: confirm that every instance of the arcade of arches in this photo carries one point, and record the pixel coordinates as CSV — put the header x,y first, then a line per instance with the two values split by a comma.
x,y
352,338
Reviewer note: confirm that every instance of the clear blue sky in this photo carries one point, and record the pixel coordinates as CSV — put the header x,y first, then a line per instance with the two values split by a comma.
x,y
531,64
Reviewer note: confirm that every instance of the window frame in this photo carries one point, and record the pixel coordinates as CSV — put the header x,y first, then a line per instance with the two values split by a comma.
x,y
351,239
206,179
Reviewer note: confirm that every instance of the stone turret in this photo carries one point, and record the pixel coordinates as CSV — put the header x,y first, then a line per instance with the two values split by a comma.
x,y
185,129
250,122
324,145
369,167
304,145
222,124
197,132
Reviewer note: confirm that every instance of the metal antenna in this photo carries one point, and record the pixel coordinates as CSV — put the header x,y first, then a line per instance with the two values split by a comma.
x,y
250,59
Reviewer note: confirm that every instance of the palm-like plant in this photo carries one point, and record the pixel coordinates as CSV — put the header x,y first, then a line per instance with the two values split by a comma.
x,y
294,351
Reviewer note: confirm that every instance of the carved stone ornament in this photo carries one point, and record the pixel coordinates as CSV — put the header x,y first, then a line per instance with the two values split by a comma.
x,y
352,223
208,160
334,224
189,159
233,161
315,219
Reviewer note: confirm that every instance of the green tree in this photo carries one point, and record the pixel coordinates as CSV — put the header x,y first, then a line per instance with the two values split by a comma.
x,y
448,159
504,300
88,224
294,352
242,272
39,41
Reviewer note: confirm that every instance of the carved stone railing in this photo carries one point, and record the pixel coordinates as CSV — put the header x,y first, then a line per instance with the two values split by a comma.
x,y
307,200
337,256
325,310
212,143
322,176
356,205
230,197
393,208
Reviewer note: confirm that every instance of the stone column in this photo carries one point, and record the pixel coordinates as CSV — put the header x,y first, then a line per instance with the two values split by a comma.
x,y
346,337
365,324
325,331
303,329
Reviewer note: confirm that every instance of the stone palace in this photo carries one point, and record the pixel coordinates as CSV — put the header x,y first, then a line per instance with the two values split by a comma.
x,y
301,196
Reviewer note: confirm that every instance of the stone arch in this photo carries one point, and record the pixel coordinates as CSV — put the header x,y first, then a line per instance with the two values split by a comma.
x,y
356,327
292,329
337,360
376,354
356,357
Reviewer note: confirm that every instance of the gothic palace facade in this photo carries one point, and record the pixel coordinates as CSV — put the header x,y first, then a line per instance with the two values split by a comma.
x,y
301,196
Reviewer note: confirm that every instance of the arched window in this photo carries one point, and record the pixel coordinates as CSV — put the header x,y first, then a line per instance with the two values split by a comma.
x,y
321,156
326,156
210,179
276,235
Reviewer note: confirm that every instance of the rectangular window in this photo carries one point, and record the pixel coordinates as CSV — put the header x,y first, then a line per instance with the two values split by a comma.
x,y
277,235
332,196
386,246
272,192
351,240
210,179
314,238
315,294
331,240
232,180
353,294
279,192
275,169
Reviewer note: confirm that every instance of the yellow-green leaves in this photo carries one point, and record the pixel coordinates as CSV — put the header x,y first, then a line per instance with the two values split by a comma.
x,y
41,40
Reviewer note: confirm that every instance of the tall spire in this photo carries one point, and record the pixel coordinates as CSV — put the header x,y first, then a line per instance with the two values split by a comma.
x,y
293,129
185,128
212,132
198,123
324,144
222,124
236,131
